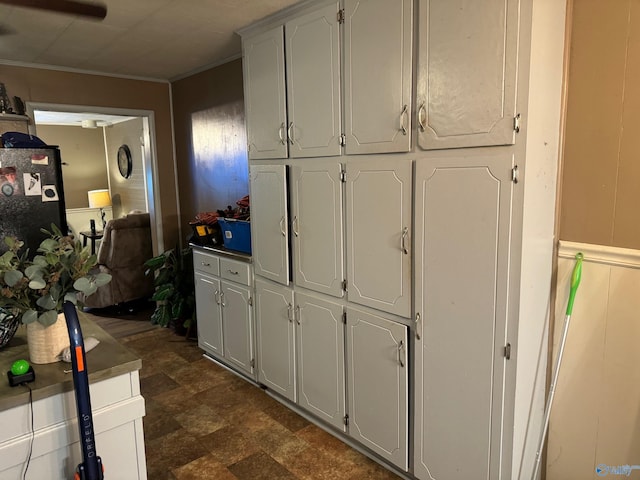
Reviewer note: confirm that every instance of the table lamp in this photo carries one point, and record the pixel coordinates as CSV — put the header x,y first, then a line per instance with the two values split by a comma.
x,y
100,199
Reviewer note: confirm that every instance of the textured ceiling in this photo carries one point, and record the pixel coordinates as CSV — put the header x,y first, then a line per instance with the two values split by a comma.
x,y
159,39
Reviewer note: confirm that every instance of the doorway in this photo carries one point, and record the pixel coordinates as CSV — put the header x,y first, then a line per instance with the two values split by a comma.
x,y
142,146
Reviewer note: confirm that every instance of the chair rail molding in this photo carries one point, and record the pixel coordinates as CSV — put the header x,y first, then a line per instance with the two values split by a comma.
x,y
617,256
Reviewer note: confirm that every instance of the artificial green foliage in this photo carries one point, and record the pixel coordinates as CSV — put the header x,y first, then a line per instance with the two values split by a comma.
x,y
174,288
35,289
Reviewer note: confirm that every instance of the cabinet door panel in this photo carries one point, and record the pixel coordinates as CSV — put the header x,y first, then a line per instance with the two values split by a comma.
x,y
264,93
467,73
378,382
238,334
378,228
320,334
378,38
313,83
269,222
209,314
463,214
275,338
316,201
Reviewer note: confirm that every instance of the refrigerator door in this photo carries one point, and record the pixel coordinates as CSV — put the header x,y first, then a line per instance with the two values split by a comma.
x,y
31,195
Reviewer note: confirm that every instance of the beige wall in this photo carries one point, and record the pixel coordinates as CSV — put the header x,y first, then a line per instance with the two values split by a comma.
x,y
68,88
601,179
210,136
83,160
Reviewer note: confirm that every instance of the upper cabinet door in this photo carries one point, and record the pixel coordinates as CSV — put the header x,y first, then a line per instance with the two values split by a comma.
x,y
378,234
313,83
264,94
377,75
316,201
269,222
467,71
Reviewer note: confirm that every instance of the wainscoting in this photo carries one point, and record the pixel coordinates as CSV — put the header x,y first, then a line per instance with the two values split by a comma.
x,y
596,413
79,219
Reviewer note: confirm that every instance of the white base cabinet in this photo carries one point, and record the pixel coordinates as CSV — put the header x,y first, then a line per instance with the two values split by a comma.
x,y
224,306
377,359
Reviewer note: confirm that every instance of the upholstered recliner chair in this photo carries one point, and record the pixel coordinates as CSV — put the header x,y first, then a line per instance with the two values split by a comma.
x,y
125,247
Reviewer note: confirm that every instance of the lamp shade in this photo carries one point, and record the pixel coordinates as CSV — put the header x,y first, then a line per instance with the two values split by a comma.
x,y
99,198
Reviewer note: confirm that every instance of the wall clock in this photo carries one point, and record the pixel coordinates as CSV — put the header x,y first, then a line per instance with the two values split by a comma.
x,y
124,161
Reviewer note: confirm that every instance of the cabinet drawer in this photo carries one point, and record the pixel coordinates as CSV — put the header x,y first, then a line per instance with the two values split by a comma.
x,y
206,263
235,271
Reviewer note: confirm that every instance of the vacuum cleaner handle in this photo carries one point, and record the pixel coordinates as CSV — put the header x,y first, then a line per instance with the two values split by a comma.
x,y
91,466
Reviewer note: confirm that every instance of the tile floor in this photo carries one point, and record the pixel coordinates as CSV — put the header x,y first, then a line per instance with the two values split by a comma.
x,y
204,422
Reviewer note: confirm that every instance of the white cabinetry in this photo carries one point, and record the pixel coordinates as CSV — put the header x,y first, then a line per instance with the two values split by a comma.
x,y
379,234
276,338
377,359
264,94
316,204
463,223
467,67
313,83
224,309
377,75
320,358
270,222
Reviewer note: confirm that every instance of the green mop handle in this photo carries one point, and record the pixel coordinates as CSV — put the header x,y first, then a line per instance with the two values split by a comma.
x,y
575,282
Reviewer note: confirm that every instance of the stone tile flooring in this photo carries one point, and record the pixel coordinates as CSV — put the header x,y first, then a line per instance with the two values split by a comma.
x,y
203,422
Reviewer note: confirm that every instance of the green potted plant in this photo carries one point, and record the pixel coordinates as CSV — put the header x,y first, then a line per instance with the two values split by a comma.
x,y
35,289
174,289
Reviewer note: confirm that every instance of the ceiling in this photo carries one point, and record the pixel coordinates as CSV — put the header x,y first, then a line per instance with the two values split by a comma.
x,y
154,39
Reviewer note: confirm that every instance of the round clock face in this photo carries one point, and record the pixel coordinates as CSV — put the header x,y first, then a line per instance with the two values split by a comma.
x,y
124,161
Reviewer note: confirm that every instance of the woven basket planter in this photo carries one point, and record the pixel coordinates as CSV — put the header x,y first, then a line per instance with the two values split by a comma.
x,y
47,343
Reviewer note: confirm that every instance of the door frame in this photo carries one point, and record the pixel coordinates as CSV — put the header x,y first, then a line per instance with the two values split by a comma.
x,y
149,154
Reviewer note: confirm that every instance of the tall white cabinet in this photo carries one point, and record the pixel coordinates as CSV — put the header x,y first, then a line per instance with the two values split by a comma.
x,y
403,271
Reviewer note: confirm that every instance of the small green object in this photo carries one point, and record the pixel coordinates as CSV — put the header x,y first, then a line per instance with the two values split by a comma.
x,y
20,367
575,281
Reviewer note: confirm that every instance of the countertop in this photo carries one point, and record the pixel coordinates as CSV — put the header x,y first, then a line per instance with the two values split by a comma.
x,y
108,359
220,250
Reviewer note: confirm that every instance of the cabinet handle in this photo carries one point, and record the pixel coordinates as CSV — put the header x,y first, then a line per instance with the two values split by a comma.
x,y
294,226
232,272
205,264
297,315
403,239
216,297
403,114
422,117
290,133
290,312
282,230
281,132
222,299
418,326
401,353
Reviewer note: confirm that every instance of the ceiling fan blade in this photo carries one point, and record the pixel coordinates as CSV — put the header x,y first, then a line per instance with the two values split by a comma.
x,y
71,7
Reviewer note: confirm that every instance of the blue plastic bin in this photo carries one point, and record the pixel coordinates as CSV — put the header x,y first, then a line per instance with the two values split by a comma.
x,y
236,234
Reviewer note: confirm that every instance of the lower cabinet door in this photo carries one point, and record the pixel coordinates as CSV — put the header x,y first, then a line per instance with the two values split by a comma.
x,y
377,374
320,355
209,314
275,334
237,332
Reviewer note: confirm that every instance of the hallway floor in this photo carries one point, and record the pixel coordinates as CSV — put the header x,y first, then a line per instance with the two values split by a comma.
x,y
203,422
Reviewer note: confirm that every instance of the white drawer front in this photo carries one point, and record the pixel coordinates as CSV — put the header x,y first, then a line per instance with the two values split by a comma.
x,y
206,263
235,271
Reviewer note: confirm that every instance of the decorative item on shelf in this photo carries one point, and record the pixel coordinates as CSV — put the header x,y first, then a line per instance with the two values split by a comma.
x,y
9,324
5,104
34,290
100,199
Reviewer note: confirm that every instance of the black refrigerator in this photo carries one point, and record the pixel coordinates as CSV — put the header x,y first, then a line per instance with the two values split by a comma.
x,y
31,195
